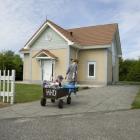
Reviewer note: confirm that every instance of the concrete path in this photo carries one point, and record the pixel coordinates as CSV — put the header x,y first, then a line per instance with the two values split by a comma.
x,y
104,99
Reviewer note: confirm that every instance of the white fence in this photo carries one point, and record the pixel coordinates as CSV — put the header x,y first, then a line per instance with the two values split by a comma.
x,y
7,86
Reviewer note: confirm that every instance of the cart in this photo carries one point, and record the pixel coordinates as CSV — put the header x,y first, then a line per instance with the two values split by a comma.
x,y
58,93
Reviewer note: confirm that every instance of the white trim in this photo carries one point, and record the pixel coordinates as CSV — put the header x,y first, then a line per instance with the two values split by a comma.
x,y
91,47
92,62
23,51
53,47
41,29
34,37
42,53
44,58
96,47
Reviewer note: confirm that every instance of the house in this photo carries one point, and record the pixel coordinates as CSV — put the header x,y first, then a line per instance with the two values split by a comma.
x,y
49,51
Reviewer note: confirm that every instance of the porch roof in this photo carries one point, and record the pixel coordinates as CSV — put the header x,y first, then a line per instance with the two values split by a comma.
x,y
45,52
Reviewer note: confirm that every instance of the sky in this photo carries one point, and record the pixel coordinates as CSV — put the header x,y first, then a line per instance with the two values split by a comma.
x,y
20,19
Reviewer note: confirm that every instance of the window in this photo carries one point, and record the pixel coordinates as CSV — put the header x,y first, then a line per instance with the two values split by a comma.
x,y
48,37
91,69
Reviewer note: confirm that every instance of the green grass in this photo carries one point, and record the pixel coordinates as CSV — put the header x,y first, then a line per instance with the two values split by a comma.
x,y
136,102
27,93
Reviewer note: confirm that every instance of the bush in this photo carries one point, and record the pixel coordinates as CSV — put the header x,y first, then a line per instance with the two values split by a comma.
x,y
129,70
9,60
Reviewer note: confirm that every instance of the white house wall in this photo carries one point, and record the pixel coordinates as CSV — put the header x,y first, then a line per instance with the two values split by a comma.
x,y
49,39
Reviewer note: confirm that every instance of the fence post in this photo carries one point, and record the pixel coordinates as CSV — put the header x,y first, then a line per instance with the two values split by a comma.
x,y
3,86
8,78
13,87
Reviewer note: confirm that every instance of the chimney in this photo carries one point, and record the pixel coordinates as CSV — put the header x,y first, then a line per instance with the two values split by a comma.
x,y
71,33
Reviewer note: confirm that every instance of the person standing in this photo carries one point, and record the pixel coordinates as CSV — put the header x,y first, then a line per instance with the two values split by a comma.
x,y
71,74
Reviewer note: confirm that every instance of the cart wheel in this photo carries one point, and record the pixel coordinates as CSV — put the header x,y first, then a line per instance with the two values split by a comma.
x,y
53,100
68,100
43,102
60,104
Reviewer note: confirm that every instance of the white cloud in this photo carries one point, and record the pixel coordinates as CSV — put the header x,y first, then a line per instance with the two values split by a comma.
x,y
20,19
129,20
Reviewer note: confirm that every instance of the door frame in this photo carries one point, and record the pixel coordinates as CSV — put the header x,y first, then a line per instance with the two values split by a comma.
x,y
53,67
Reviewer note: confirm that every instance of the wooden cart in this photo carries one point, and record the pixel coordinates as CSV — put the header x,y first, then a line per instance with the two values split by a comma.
x,y
56,94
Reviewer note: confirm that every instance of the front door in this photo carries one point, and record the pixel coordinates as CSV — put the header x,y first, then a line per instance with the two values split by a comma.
x,y
46,70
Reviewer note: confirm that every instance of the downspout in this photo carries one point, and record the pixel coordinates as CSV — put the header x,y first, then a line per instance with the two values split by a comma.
x,y
68,57
106,67
30,55
77,53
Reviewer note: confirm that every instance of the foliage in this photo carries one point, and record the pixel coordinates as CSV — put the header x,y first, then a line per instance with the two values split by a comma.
x,y
129,70
9,60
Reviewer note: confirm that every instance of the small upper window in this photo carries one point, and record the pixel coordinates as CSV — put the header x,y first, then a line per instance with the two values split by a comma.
x,y
48,37
91,69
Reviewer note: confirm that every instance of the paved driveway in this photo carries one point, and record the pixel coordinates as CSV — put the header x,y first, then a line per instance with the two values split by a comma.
x,y
105,99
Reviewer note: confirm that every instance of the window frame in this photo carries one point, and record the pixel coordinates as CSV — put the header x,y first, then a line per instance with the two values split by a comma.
x,y
93,63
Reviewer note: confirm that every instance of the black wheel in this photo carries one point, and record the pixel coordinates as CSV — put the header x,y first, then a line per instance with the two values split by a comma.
x,y
60,104
68,100
43,102
53,100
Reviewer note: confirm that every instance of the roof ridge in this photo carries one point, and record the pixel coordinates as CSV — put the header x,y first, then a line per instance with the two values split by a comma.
x,y
91,26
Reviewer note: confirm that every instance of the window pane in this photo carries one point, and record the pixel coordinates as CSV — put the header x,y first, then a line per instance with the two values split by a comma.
x,y
91,69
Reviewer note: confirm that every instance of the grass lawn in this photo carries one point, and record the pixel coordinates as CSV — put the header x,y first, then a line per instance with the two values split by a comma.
x,y
27,93
136,102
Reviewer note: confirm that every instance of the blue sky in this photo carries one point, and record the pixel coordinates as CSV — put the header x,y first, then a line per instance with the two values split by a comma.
x,y
20,19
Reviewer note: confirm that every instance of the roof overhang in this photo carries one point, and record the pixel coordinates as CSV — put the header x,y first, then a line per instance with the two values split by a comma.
x,y
91,47
24,50
96,47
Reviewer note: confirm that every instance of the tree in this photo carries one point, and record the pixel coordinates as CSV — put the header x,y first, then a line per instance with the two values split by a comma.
x,y
129,70
9,60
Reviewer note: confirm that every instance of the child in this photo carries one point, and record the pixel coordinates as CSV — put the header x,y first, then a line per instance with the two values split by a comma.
x,y
56,83
59,80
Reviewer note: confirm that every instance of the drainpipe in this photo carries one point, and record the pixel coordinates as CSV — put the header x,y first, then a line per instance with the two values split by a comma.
x,y
77,53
